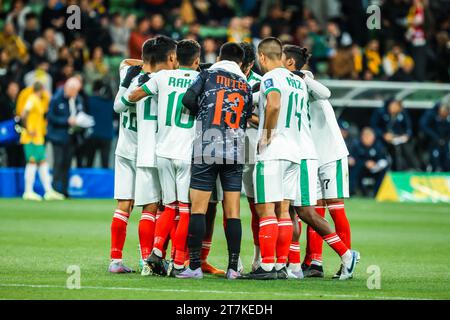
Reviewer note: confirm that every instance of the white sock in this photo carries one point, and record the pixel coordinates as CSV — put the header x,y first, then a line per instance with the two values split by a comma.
x,y
157,252
267,266
30,175
279,266
178,266
294,267
316,262
116,260
45,177
347,258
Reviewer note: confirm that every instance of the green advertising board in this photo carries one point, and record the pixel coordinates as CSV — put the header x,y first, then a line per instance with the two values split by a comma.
x,y
415,187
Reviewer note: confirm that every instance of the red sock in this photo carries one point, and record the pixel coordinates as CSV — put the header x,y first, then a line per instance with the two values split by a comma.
x,y
146,232
118,233
206,247
164,225
337,212
181,233
173,231
314,241
294,252
255,224
285,230
268,235
336,243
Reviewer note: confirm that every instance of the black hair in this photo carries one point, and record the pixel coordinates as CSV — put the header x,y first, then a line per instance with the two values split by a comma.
x,y
162,47
231,51
300,55
147,50
187,51
271,47
30,15
249,54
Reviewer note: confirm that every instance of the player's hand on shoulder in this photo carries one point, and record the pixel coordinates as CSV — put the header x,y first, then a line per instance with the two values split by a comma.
x,y
132,72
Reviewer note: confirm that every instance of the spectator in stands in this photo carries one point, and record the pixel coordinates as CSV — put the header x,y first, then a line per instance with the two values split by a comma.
x,y
64,106
13,44
53,15
336,38
367,160
40,74
96,68
38,54
33,139
392,125
157,25
31,32
54,42
209,50
18,16
441,57
138,37
120,34
396,64
100,107
237,32
8,100
417,38
435,124
372,64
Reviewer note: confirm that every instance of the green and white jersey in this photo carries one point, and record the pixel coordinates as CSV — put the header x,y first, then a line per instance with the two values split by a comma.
x,y
147,124
292,138
176,129
252,132
127,141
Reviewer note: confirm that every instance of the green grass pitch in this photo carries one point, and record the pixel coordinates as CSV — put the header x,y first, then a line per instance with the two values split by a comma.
x,y
410,243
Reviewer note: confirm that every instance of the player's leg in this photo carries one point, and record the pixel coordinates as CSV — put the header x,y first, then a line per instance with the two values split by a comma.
x,y
308,176
285,233
337,176
124,192
183,177
148,195
203,177
268,183
30,173
207,240
294,267
44,175
231,178
165,223
247,180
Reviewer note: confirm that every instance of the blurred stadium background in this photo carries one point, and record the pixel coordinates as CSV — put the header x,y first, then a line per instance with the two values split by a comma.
x,y
406,60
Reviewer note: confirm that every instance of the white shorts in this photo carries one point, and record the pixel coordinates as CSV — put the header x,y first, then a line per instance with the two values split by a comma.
x,y
174,176
124,178
307,183
148,189
333,180
247,180
275,180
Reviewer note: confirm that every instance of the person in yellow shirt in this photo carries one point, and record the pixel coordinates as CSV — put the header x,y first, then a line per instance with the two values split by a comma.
x,y
33,139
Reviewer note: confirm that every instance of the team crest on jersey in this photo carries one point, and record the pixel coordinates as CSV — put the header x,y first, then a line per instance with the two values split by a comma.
x,y
268,83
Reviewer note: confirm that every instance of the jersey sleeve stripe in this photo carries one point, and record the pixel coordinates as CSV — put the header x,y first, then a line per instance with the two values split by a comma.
x,y
271,89
126,102
146,89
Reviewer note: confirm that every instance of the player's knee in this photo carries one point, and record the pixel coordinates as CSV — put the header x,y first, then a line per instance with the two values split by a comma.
x,y
151,207
125,205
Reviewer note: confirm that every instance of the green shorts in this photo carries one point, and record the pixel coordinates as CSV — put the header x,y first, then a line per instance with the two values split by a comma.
x,y
34,152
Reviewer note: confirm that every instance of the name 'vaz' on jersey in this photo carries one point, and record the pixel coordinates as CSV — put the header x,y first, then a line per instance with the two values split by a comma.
x,y
175,123
225,104
292,139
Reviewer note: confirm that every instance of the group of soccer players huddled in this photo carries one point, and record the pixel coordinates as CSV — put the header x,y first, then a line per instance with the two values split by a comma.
x,y
193,135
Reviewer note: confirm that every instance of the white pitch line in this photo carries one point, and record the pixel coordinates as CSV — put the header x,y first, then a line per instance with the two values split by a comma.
x,y
281,294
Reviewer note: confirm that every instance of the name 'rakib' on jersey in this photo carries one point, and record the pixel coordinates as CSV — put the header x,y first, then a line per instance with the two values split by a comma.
x,y
291,139
127,141
176,129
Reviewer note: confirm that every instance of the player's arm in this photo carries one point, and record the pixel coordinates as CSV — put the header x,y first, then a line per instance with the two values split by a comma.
x,y
272,112
147,89
131,63
190,98
132,72
315,88
254,119
26,112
